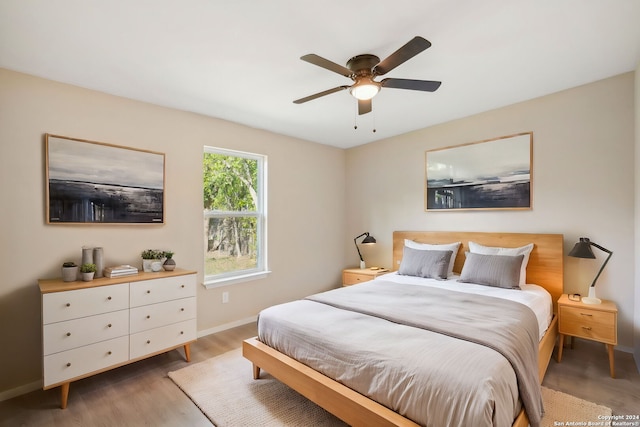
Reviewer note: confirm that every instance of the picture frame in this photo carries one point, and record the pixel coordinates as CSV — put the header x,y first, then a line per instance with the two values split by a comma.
x,y
485,175
90,182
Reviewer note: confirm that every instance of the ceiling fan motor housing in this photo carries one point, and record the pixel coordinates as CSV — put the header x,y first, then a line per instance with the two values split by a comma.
x,y
362,64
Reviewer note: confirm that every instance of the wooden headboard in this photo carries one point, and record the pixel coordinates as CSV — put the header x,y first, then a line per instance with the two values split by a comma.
x,y
546,263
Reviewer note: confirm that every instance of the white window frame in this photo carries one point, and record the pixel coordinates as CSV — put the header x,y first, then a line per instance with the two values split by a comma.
x,y
261,270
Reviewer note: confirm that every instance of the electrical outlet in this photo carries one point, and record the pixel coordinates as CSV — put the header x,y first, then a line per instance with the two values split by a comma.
x,y
225,297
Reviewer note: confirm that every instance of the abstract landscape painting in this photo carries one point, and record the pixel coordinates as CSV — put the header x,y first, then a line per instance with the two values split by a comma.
x,y
491,174
93,182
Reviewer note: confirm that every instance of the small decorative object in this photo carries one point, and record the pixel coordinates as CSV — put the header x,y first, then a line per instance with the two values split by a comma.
x,y
98,260
69,272
169,263
582,249
368,240
156,266
87,271
87,255
149,256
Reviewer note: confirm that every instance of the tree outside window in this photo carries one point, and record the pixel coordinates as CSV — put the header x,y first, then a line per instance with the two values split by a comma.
x,y
234,214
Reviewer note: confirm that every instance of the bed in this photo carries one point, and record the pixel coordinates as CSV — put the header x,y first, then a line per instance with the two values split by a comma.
x,y
544,268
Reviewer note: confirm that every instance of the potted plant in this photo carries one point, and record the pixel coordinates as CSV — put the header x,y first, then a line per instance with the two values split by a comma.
x,y
87,270
169,263
69,271
149,257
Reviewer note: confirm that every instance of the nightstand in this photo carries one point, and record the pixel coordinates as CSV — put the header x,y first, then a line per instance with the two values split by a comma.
x,y
352,276
597,322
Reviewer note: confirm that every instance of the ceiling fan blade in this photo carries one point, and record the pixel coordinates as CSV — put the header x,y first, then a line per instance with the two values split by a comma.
x,y
314,59
364,106
319,94
423,85
405,53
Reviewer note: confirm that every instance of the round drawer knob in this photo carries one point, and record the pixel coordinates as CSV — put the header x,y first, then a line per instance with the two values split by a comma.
x,y
182,286
68,304
181,332
109,325
148,317
68,334
109,298
68,364
148,292
182,309
148,341
109,353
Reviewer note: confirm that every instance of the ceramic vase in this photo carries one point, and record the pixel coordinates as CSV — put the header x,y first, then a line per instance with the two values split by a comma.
x,y
169,264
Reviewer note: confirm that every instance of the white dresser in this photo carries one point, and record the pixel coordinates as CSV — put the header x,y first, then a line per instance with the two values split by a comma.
x,y
91,327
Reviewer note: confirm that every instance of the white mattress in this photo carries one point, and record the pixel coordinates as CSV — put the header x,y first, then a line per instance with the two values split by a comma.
x,y
533,296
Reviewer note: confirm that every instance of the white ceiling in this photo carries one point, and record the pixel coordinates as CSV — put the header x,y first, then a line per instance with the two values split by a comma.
x,y
239,60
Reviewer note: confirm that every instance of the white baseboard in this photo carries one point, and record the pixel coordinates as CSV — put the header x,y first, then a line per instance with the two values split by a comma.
x,y
226,326
19,391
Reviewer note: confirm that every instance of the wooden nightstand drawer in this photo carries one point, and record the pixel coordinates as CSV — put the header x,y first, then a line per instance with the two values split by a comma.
x,y
591,324
353,278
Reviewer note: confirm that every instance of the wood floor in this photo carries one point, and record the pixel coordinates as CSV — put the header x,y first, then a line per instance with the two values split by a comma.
x,y
141,394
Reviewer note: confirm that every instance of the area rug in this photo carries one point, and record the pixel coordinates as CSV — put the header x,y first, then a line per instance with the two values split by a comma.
x,y
225,391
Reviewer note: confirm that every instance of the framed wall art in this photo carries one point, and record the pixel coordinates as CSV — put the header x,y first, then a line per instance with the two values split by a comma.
x,y
489,174
90,182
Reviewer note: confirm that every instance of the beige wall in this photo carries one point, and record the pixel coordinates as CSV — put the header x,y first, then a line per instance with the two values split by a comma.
x,y
305,213
583,174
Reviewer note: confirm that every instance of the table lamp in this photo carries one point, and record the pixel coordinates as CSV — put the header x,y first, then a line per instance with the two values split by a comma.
x,y
582,249
368,240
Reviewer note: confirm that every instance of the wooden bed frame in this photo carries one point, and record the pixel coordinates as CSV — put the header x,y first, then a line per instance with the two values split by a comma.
x,y
545,268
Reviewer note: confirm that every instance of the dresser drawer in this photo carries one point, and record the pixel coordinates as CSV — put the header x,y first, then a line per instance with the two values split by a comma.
x,y
161,314
64,366
592,324
70,334
160,290
60,306
156,340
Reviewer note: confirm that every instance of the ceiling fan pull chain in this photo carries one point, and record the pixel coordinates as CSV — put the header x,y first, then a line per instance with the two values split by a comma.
x,y
355,117
373,116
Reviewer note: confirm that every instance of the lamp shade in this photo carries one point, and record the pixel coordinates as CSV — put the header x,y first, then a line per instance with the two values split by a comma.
x,y
582,249
368,240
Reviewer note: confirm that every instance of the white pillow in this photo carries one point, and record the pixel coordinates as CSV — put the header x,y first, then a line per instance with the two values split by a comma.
x,y
453,247
493,250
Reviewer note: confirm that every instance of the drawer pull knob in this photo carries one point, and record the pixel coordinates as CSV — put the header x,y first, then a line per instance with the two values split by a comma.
x,y
586,328
148,316
181,332
148,341
68,304
586,314
109,353
109,298
109,325
182,286
68,334
182,309
148,292
68,364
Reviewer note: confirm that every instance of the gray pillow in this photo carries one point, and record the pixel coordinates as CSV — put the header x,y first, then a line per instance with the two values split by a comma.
x,y
502,271
423,263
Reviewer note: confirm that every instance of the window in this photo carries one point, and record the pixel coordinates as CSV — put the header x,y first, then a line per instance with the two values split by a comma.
x,y
234,186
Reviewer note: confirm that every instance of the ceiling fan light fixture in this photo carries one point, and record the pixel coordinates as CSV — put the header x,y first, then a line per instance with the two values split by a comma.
x,y
365,89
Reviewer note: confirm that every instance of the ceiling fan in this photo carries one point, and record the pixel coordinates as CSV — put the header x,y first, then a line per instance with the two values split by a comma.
x,y
363,69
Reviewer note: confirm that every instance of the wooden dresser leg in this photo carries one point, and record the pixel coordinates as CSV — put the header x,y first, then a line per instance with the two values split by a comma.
x,y
64,395
187,352
256,371
612,369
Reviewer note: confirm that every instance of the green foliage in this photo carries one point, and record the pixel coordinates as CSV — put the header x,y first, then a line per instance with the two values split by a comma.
x,y
152,254
230,183
88,268
168,254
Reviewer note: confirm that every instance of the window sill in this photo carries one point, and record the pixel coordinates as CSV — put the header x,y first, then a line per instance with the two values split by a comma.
x,y
235,279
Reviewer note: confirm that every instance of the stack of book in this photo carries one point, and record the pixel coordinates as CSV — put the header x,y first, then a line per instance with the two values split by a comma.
x,y
120,270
